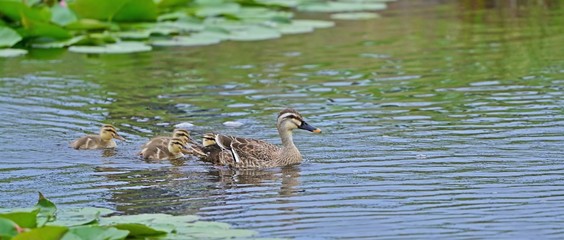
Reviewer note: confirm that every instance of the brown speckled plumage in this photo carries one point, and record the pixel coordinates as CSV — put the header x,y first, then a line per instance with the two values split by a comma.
x,y
242,153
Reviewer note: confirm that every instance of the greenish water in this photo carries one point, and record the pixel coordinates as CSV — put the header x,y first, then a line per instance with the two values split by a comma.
x,y
439,121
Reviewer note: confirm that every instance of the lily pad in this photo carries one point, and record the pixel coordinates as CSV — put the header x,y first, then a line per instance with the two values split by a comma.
x,y
23,219
8,37
62,15
294,28
259,13
59,44
44,233
95,233
116,48
38,28
8,228
12,52
172,16
254,33
186,41
137,35
354,16
139,230
180,26
341,7
285,3
313,23
209,230
47,210
211,35
79,216
119,10
209,10
88,24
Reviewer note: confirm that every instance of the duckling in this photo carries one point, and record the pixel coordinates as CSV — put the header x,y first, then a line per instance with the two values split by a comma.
x,y
243,153
175,149
103,140
162,140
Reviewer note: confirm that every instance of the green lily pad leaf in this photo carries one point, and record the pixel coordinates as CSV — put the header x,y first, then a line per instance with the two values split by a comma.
x,y
9,210
209,10
79,216
294,28
172,16
147,218
211,35
23,219
117,48
8,228
209,230
62,15
95,233
354,16
313,23
186,41
59,44
137,10
164,31
15,9
171,3
89,24
43,233
47,210
260,13
137,35
285,3
254,33
37,28
181,26
8,37
139,230
96,9
159,222
341,7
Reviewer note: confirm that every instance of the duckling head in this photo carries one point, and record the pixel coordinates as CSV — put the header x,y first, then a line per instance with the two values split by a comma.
x,y
208,139
176,145
290,119
183,134
107,132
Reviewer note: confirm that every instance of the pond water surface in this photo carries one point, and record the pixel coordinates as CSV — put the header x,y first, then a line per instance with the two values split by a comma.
x,y
441,120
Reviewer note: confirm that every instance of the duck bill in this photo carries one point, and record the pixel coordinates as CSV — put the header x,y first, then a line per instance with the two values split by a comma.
x,y
306,126
192,151
119,137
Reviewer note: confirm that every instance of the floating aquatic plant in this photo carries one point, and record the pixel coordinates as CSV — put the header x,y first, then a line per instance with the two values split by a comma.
x,y
106,26
45,221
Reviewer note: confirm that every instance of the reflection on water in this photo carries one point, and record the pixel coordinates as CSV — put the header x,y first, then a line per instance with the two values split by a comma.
x,y
440,120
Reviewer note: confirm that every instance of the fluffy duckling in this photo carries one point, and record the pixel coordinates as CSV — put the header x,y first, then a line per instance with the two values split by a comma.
x,y
104,140
177,133
240,153
162,141
175,149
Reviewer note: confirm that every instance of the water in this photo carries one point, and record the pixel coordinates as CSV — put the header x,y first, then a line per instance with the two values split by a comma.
x,y
439,120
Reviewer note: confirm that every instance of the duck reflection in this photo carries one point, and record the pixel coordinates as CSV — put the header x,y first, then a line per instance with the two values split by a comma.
x,y
189,187
108,152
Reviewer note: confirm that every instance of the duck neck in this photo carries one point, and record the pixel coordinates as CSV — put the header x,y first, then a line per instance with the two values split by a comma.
x,y
287,139
289,153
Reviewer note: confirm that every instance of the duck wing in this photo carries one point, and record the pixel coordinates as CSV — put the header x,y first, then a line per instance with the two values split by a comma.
x,y
245,152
